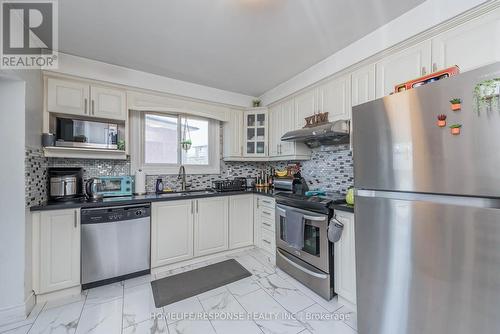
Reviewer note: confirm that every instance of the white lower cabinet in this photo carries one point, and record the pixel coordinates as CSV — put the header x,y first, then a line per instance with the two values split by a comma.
x,y
345,259
56,250
171,232
264,223
211,225
241,221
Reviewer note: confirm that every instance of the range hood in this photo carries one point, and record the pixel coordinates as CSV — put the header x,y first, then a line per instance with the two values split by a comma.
x,y
332,133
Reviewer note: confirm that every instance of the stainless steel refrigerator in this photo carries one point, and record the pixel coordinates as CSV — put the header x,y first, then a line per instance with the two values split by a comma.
x,y
427,209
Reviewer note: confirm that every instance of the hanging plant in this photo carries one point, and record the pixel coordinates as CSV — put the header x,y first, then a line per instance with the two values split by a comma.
x,y
486,95
186,137
441,121
455,129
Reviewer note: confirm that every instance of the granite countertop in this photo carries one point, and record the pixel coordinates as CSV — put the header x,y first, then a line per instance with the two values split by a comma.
x,y
343,207
148,198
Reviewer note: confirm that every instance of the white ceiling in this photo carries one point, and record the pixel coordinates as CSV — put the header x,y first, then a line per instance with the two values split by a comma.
x,y
244,46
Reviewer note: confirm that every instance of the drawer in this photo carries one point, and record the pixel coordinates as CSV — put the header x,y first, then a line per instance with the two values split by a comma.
x,y
263,201
268,242
268,224
267,213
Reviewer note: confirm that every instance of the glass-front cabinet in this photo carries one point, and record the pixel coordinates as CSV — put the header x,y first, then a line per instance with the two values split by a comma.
x,y
256,132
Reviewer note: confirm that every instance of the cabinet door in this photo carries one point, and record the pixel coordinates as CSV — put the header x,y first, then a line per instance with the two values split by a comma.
x,y
363,85
59,242
288,123
240,221
171,232
108,103
211,225
471,45
334,97
305,106
401,67
275,131
233,135
345,259
256,132
68,97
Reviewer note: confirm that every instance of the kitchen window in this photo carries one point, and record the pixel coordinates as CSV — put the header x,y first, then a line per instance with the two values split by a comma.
x,y
164,144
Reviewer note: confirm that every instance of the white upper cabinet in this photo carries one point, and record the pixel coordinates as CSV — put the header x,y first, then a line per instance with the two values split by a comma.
x,y
275,129
108,103
334,97
288,122
255,132
211,225
305,106
233,135
403,66
241,221
363,85
171,232
470,45
83,99
68,97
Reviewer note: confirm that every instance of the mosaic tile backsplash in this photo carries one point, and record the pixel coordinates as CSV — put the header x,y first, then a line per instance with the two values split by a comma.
x,y
330,169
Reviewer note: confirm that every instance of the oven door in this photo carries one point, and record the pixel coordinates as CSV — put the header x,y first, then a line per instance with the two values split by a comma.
x,y
315,250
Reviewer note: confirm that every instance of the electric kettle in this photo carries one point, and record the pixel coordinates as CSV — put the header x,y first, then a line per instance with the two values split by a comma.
x,y
93,189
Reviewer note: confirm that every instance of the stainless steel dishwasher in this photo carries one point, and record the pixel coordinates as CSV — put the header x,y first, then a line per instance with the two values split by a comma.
x,y
115,244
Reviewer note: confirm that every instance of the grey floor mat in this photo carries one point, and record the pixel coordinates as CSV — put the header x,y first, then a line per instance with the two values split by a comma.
x,y
171,289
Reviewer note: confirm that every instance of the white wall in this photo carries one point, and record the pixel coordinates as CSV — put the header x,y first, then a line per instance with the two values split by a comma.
x,y
97,70
12,206
413,22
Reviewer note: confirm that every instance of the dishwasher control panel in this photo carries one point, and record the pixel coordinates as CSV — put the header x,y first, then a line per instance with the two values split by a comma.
x,y
114,214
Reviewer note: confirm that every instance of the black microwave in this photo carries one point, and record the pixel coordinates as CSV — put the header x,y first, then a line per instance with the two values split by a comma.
x,y
86,134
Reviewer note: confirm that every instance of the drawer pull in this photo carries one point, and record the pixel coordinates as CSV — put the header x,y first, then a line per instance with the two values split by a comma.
x,y
267,213
267,242
267,224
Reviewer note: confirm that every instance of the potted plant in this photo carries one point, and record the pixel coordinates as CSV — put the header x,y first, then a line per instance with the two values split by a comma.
x,y
455,129
456,104
441,121
186,144
256,103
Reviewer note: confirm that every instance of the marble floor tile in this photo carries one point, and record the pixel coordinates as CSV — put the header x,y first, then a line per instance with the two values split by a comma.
x,y
104,294
30,319
191,327
138,305
182,309
331,305
285,293
352,317
318,320
152,326
130,283
255,267
65,301
19,330
213,292
103,318
271,317
243,286
227,315
62,319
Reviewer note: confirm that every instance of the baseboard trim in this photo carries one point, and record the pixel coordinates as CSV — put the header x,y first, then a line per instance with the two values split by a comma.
x,y
42,298
177,265
17,313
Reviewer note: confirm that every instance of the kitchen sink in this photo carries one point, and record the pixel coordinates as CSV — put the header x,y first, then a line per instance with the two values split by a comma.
x,y
187,193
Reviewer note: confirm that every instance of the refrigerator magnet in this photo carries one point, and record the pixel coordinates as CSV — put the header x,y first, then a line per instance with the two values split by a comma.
x,y
456,104
441,122
455,129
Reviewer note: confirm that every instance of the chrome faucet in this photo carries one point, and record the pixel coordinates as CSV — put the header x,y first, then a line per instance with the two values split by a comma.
x,y
182,177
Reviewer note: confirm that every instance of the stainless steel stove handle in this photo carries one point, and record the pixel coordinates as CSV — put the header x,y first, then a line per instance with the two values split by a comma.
x,y
314,218
298,266
280,209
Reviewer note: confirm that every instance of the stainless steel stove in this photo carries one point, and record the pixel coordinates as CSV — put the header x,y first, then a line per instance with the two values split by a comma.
x,y
311,264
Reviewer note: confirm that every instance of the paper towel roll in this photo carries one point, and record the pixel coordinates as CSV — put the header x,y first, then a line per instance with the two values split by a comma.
x,y
140,182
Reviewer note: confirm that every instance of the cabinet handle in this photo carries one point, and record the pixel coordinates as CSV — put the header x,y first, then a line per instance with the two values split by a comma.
x,y
424,70
267,213
258,202
434,67
196,206
192,208
85,107
267,242
93,107
76,219
269,225
267,202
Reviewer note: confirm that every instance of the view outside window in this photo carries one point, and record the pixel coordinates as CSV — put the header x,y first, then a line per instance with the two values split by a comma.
x,y
198,153
162,137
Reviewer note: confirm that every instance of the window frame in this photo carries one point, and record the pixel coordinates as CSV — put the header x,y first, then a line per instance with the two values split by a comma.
x,y
138,151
